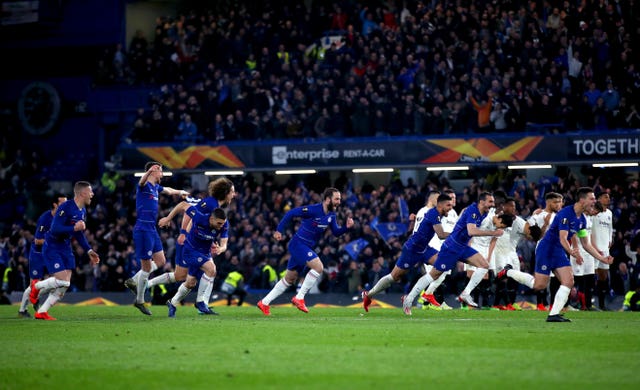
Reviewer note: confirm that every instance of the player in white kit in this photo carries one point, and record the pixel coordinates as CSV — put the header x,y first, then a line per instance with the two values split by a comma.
x,y
602,239
483,244
504,253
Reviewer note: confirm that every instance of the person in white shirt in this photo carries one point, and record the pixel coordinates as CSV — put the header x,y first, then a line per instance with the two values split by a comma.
x,y
498,117
505,253
482,245
575,65
601,240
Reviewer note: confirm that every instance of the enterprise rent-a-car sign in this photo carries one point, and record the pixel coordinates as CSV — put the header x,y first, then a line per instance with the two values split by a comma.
x,y
621,145
305,155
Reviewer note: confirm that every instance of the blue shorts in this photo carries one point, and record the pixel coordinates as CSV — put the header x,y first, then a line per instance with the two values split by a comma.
x,y
409,259
146,243
550,257
301,253
58,258
178,259
37,269
179,248
193,260
452,252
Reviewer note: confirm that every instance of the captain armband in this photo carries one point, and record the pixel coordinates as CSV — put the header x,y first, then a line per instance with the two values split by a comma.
x,y
582,233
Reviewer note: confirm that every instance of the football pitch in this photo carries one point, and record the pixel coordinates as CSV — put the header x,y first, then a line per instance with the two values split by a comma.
x,y
116,347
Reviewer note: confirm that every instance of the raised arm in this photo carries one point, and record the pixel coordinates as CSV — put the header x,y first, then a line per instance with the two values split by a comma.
x,y
179,208
145,177
172,191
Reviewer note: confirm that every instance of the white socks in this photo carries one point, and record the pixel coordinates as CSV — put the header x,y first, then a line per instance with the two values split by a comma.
x,y
169,277
49,284
420,285
309,281
560,300
476,278
521,277
25,299
182,292
276,291
54,297
205,286
141,283
382,285
137,275
436,283
208,291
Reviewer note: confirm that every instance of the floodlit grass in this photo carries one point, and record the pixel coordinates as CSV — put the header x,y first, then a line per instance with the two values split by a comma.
x,y
99,347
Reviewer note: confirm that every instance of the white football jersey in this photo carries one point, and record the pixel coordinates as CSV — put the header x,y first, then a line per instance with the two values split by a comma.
x,y
509,240
448,222
538,219
602,229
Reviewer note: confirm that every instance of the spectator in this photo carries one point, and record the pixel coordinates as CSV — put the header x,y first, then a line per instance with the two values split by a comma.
x,y
483,108
611,98
498,117
187,130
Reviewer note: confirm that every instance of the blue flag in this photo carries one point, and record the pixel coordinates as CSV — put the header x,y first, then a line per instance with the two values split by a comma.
x,y
374,223
391,229
404,210
355,247
352,201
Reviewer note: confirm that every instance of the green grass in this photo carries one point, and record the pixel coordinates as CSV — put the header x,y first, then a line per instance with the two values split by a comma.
x,y
340,348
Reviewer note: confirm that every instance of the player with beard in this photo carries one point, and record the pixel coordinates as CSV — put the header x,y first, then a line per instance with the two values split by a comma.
x,y
316,219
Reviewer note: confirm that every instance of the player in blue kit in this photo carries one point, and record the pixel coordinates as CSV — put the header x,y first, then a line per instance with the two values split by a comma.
x,y
315,219
554,249
221,192
146,239
416,251
37,269
456,248
68,222
199,245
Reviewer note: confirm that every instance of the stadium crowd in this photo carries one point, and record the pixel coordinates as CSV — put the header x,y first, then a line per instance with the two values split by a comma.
x,y
343,69
261,203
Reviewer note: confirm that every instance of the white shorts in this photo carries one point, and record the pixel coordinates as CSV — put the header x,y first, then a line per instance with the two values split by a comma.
x,y
600,264
484,251
499,260
586,268
436,244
